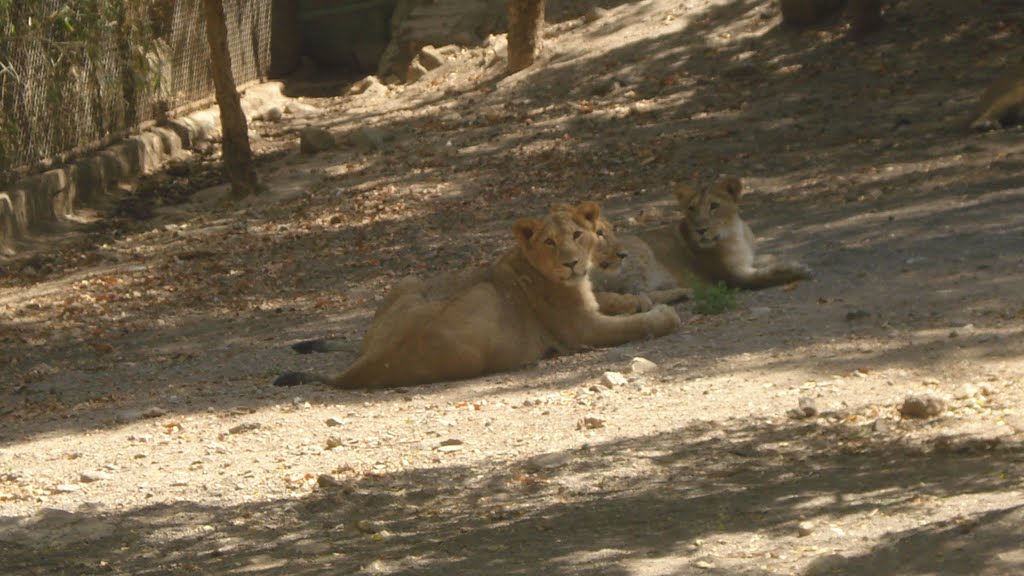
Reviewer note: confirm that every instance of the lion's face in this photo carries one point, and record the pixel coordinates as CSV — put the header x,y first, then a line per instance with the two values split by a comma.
x,y
608,253
710,214
560,245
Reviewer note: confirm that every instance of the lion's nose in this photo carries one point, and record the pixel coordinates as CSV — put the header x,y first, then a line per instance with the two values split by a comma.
x,y
572,265
702,231
622,255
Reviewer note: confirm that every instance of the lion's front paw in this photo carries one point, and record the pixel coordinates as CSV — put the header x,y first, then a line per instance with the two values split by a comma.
x,y
643,303
663,319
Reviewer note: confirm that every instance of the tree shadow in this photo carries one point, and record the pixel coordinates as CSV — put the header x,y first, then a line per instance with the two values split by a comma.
x,y
673,499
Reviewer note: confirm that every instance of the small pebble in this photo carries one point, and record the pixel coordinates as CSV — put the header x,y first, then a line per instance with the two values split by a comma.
x,y
369,526
805,528
808,406
94,476
244,427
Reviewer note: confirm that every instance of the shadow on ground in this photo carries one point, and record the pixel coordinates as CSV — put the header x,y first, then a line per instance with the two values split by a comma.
x,y
634,506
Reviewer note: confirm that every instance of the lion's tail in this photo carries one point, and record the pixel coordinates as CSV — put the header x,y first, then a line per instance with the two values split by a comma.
x,y
370,372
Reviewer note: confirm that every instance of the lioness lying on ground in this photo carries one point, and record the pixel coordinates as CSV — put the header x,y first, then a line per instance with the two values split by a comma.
x,y
710,242
534,302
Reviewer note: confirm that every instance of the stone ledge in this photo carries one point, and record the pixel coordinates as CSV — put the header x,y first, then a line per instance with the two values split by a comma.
x,y
39,202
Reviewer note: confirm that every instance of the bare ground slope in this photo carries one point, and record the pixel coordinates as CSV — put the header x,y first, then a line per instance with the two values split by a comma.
x,y
139,433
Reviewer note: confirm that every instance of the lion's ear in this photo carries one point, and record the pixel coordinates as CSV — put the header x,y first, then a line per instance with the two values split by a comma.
x,y
683,192
524,230
560,207
590,211
731,186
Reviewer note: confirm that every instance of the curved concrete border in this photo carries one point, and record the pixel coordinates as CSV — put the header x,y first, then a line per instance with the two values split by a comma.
x,y
38,202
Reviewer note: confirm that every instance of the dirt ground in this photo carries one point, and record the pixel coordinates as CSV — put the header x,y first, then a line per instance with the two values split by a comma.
x,y
139,432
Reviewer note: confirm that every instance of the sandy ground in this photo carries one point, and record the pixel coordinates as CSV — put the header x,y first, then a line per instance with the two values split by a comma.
x,y
139,433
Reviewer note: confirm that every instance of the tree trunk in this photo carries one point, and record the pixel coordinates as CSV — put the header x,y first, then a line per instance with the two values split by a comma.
x,y
238,163
525,19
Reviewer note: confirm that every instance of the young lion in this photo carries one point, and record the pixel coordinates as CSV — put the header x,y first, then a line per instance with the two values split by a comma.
x,y
711,242
608,258
533,302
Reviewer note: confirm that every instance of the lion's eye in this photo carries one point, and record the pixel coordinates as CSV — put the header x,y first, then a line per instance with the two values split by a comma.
x,y
714,206
576,235
692,208
549,242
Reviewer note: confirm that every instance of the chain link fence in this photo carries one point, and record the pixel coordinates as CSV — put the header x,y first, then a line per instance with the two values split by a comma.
x,y
78,74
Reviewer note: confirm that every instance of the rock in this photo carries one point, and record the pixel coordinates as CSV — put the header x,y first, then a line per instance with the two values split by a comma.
x,y
590,423
922,406
126,416
450,445
272,114
641,365
1015,422
881,426
808,406
301,109
594,13
760,311
369,526
327,481
371,85
244,427
967,391
965,330
313,139
857,314
334,421
805,528
807,409
153,412
498,46
94,476
415,72
548,461
369,138
333,442
430,58
613,379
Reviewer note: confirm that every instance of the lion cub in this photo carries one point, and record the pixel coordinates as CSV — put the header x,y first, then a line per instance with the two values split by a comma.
x,y
710,242
535,301
609,255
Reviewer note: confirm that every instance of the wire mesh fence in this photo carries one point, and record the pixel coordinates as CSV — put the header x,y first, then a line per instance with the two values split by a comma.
x,y
76,74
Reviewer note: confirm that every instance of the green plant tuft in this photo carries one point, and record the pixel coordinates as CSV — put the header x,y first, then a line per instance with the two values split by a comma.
x,y
712,298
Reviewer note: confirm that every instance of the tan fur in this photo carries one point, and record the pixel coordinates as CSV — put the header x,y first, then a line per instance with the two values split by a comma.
x,y
711,242
534,302
607,259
